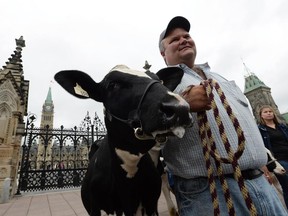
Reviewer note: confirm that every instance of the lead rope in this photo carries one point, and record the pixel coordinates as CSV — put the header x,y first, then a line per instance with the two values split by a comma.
x,y
210,150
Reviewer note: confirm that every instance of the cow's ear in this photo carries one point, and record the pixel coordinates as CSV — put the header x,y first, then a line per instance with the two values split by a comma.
x,y
171,76
79,84
152,75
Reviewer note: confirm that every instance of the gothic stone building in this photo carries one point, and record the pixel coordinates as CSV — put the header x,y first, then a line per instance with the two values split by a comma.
x,y
13,107
259,94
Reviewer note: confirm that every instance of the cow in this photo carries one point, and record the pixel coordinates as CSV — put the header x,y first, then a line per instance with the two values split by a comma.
x,y
139,111
274,168
273,165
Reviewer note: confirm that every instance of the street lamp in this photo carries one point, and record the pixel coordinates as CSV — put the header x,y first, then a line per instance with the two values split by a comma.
x,y
25,154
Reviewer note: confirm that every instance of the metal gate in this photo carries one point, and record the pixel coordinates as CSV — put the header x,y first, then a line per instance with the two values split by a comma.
x,y
56,158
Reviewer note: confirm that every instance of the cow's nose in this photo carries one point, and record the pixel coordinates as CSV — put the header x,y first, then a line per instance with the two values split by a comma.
x,y
176,112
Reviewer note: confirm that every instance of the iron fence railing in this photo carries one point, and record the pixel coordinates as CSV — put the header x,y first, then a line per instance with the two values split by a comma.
x,y
56,158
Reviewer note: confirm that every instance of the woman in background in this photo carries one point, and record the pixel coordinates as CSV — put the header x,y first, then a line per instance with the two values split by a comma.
x,y
275,137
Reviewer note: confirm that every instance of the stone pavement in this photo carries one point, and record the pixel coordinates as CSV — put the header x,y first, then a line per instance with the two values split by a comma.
x,y
56,203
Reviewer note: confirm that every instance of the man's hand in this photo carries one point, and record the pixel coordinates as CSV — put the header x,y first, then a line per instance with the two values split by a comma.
x,y
197,98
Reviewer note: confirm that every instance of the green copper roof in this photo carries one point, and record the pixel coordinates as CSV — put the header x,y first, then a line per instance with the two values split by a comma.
x,y
285,116
253,82
49,97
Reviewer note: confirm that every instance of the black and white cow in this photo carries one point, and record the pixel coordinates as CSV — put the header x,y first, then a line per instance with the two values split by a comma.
x,y
273,165
274,168
121,177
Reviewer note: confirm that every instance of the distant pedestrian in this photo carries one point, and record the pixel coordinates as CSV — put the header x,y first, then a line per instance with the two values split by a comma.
x,y
275,136
61,165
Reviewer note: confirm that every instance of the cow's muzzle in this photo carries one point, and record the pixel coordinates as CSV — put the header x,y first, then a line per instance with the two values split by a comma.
x,y
159,136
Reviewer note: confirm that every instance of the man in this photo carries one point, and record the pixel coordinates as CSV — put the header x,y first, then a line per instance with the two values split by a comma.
x,y
184,157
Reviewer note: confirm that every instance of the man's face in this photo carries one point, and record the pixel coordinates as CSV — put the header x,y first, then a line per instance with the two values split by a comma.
x,y
179,47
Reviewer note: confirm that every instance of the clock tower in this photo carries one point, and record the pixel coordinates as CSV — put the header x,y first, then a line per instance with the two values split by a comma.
x,y
45,146
47,111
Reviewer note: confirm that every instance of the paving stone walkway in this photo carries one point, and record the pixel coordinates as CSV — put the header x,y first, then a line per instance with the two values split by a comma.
x,y
56,203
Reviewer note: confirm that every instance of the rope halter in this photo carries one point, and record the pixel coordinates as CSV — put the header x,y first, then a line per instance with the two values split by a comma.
x,y
210,151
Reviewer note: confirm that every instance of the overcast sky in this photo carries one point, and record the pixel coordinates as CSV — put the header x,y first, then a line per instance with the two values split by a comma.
x,y
94,36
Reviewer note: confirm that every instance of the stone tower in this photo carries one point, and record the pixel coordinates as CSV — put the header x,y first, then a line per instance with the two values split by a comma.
x,y
45,148
258,94
13,107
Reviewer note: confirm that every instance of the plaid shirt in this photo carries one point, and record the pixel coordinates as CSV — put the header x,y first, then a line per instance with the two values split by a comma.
x,y
184,157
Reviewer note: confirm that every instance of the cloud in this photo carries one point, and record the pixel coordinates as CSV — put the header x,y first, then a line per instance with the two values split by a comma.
x,y
95,36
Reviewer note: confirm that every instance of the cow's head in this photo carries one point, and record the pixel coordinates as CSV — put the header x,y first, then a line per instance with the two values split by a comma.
x,y
273,165
134,98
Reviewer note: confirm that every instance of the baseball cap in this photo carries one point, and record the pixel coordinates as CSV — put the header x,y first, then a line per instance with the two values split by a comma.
x,y
176,22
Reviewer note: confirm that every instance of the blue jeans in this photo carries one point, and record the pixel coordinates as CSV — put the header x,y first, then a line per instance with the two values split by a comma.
x,y
283,180
194,198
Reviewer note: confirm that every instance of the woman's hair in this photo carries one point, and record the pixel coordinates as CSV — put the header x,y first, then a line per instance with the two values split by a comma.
x,y
275,119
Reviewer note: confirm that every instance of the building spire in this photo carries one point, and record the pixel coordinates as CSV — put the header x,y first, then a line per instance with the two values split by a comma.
x,y
49,97
252,81
15,61
13,71
246,69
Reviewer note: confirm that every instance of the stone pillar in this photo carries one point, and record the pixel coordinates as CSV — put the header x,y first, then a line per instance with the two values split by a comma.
x,y
4,197
9,154
5,166
16,145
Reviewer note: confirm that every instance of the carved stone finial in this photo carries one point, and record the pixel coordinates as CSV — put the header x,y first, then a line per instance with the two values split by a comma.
x,y
20,42
147,66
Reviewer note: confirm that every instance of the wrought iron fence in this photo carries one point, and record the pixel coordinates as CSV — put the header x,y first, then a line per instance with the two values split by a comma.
x,y
56,158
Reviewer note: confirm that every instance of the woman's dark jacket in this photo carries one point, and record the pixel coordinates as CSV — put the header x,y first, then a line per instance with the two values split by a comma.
x,y
265,135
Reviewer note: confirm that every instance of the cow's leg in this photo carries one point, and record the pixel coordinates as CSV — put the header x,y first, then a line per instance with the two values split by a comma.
x,y
119,213
276,183
149,186
95,212
166,192
93,203
155,154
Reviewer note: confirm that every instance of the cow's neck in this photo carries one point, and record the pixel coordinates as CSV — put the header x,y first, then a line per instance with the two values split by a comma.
x,y
129,162
122,137
128,149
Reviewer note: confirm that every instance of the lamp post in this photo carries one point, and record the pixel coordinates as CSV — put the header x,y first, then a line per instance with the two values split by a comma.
x,y
25,151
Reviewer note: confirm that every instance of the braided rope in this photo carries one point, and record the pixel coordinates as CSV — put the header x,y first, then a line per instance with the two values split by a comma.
x,y
210,150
